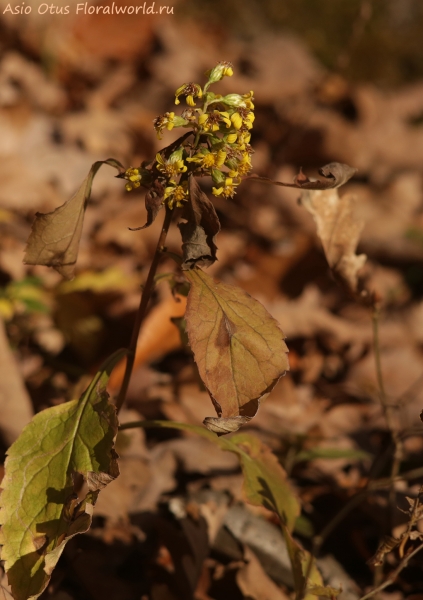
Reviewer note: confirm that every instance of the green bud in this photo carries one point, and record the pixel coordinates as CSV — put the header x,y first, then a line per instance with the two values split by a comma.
x,y
234,100
232,164
176,155
219,71
179,121
218,176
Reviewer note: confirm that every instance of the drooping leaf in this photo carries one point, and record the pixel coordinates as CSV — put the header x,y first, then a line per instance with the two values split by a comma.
x,y
199,231
238,347
335,174
265,481
40,510
55,236
339,231
153,203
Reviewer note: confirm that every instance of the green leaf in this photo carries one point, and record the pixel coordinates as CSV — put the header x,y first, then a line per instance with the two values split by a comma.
x,y
55,236
238,346
40,510
314,453
304,569
265,482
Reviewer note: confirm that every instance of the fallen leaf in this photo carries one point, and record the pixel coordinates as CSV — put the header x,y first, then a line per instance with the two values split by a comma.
x,y
54,238
253,581
158,336
238,347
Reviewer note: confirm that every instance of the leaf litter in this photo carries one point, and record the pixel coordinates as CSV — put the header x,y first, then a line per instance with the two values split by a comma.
x,y
323,419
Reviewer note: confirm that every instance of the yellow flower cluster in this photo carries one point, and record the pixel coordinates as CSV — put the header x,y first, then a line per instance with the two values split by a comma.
x,y
220,143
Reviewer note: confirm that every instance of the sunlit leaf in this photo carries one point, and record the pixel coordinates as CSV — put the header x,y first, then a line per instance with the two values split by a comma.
x,y
238,347
339,231
54,238
265,481
40,510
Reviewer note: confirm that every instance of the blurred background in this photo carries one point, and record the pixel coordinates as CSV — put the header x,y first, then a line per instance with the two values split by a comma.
x,y
332,81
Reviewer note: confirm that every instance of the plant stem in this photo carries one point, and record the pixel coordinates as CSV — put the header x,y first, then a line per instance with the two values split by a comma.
x,y
388,410
142,309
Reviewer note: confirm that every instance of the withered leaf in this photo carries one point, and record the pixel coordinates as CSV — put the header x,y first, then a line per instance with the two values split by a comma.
x,y
199,231
387,544
55,236
153,203
335,174
339,231
238,347
221,426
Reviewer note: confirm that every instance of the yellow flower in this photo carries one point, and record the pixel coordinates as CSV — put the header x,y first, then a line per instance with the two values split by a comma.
x,y
211,121
236,120
175,194
191,91
222,69
209,160
227,190
231,138
248,99
244,166
134,177
164,121
173,166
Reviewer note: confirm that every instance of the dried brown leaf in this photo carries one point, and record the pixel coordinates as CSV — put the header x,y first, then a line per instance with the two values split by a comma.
x,y
200,229
54,238
339,231
239,348
153,203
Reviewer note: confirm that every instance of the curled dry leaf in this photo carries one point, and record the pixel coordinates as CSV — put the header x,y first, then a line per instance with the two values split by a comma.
x,y
339,232
55,236
335,174
199,231
238,347
222,425
153,203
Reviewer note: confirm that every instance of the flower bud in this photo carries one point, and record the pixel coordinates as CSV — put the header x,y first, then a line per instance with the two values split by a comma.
x,y
219,71
234,100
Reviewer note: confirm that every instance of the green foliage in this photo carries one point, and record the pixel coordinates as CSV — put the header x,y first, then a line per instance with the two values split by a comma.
x,y
40,510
